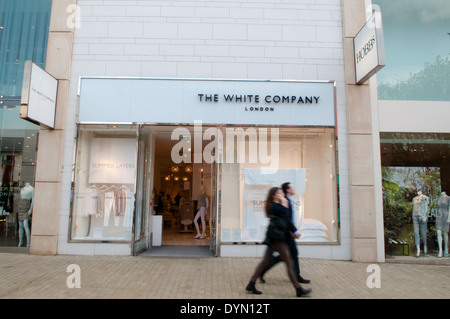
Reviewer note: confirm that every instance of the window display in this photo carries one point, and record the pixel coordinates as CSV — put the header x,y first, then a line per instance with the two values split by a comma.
x,y
105,178
306,159
416,179
17,173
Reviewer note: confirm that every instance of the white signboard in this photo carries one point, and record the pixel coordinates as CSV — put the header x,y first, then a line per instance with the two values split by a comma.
x,y
369,49
257,182
147,100
113,160
39,89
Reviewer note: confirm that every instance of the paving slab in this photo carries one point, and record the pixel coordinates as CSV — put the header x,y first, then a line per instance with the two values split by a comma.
x,y
142,277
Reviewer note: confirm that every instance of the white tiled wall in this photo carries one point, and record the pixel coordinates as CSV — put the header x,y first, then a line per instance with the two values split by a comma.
x,y
245,39
198,37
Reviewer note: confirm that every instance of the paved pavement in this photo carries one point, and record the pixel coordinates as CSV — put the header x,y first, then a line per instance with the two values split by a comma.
x,y
25,276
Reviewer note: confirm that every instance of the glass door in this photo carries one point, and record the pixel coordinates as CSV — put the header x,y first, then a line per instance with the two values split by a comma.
x,y
141,231
214,209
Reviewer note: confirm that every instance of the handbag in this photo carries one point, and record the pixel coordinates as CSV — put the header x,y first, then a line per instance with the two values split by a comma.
x,y
275,234
276,230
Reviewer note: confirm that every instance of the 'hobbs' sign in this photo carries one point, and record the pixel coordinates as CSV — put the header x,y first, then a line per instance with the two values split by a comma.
x,y
369,49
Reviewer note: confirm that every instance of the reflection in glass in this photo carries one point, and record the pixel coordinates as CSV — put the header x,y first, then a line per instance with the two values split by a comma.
x,y
417,47
413,166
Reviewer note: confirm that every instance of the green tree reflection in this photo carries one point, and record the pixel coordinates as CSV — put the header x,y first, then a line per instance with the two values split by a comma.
x,y
432,83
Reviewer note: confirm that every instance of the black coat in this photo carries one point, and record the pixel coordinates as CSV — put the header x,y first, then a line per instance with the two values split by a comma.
x,y
280,226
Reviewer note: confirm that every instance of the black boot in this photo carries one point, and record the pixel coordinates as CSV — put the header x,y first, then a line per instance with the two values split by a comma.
x,y
302,280
251,288
302,292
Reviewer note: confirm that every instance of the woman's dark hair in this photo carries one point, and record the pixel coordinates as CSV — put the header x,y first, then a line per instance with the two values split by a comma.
x,y
269,199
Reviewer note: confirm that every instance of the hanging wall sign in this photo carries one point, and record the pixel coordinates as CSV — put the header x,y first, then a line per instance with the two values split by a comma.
x,y
369,49
113,161
39,89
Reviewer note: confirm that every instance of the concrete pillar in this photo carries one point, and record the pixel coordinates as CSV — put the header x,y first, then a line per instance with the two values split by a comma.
x,y
45,218
361,146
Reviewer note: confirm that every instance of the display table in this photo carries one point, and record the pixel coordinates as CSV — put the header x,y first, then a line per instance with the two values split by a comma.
x,y
156,230
392,244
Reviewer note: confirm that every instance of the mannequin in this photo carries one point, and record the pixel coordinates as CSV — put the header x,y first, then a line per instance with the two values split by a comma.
x,y
186,210
442,222
420,217
25,208
202,204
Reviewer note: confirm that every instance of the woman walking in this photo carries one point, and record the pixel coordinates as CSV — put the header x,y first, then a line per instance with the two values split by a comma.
x,y
278,233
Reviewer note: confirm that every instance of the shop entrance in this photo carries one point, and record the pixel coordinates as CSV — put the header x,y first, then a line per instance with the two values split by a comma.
x,y
173,184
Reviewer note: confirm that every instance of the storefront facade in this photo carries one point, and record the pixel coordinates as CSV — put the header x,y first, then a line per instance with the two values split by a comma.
x,y
274,76
23,36
414,107
291,138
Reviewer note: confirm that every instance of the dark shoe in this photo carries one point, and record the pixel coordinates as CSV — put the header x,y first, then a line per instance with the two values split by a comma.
x,y
302,280
302,292
251,288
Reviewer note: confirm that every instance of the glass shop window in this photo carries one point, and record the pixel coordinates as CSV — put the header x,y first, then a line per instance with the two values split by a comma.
x,y
416,189
104,184
257,159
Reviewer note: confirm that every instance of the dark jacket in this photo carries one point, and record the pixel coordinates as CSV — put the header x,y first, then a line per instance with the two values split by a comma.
x,y
280,227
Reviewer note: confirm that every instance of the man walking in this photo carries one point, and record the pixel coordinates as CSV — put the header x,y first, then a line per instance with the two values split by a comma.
x,y
289,191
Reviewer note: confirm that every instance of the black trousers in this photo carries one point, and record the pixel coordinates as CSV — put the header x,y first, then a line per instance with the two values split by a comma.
x,y
294,253
282,248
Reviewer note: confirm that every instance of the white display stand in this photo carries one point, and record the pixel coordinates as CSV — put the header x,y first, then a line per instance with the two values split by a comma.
x,y
156,230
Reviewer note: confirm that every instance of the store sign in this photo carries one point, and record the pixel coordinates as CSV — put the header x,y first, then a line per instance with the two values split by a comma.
x,y
259,102
369,49
39,89
252,101
112,160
